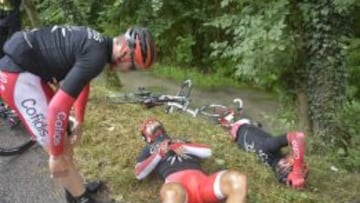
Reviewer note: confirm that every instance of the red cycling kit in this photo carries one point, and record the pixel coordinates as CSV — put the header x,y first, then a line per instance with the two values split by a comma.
x,y
185,170
72,55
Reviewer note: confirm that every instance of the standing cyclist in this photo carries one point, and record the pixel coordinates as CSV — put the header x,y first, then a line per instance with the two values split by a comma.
x,y
72,55
289,169
178,164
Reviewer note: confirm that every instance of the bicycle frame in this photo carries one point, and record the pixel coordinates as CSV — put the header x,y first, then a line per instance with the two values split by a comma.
x,y
195,112
183,108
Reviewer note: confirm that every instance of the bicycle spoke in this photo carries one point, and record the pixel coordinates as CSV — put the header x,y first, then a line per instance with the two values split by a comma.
x,y
214,110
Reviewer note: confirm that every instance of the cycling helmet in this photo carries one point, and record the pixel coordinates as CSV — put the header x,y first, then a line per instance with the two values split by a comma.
x,y
141,42
283,168
151,130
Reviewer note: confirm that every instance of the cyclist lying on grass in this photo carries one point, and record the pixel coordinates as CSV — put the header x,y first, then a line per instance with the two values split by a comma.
x,y
177,163
289,169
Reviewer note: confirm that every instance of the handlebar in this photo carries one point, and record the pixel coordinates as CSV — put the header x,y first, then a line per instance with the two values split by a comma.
x,y
240,105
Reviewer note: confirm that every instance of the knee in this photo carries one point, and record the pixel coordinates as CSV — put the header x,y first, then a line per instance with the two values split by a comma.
x,y
236,181
172,192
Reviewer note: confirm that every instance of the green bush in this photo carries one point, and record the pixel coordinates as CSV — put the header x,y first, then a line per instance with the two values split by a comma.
x,y
349,135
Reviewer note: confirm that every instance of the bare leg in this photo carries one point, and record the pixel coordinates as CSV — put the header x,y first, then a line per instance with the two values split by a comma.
x,y
172,193
72,181
233,185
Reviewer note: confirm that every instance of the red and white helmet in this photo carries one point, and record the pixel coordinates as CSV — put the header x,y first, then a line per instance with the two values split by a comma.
x,y
151,129
141,42
284,168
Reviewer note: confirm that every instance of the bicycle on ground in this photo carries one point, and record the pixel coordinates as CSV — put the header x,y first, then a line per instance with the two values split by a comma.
x,y
180,102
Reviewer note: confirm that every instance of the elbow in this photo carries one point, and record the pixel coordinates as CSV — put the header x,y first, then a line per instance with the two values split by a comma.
x,y
139,177
138,174
209,154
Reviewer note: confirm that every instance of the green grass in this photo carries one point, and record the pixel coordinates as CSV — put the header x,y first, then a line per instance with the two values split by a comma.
x,y
202,81
111,142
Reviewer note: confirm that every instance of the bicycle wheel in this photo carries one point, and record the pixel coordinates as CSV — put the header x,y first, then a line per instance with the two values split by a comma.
x,y
213,110
13,141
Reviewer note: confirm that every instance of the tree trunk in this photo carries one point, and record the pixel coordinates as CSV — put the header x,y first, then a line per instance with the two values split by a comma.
x,y
302,112
325,67
32,13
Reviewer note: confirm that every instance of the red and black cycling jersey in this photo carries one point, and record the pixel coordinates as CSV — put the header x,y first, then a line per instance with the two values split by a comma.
x,y
72,54
170,163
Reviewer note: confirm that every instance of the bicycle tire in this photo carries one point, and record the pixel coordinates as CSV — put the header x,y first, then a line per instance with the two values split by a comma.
x,y
213,110
18,141
17,150
13,142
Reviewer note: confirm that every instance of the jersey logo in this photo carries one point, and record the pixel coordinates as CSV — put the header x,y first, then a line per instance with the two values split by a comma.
x,y
3,81
92,34
173,158
64,29
248,147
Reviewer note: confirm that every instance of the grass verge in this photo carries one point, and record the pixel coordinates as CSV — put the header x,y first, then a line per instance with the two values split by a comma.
x,y
111,142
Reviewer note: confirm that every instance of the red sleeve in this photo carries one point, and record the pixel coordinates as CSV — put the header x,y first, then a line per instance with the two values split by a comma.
x,y
80,104
59,109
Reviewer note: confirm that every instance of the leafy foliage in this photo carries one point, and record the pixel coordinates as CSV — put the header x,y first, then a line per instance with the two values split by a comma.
x,y
349,133
62,11
354,68
260,42
326,68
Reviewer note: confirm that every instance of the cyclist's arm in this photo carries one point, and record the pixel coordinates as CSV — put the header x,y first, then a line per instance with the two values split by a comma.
x,y
146,163
58,113
199,150
74,86
80,104
87,66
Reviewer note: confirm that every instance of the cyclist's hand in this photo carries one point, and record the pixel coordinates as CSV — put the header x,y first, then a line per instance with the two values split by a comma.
x,y
164,147
179,149
58,166
76,134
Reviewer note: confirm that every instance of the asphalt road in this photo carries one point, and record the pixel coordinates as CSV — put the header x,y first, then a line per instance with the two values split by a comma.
x,y
25,178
